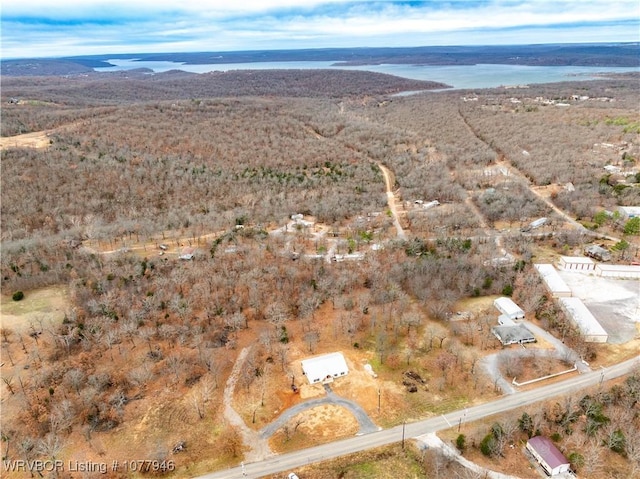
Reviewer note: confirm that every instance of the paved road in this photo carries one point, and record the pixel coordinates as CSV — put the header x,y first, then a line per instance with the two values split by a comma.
x,y
291,461
364,421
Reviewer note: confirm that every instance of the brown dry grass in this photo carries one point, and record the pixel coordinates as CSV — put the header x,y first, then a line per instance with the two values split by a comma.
x,y
38,139
319,425
46,305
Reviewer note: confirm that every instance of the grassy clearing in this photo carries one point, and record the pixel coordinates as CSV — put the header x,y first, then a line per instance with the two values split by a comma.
x,y
46,304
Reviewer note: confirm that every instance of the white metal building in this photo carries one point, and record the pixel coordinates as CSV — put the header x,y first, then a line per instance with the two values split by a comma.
x,y
618,270
504,320
576,263
548,456
555,284
507,307
324,368
629,211
586,322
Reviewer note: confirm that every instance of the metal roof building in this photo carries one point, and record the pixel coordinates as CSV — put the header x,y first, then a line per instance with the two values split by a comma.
x,y
629,211
555,284
548,455
324,368
579,263
618,270
507,307
586,322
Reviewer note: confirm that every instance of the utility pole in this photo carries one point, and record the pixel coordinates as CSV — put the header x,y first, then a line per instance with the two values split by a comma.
x,y
403,424
379,394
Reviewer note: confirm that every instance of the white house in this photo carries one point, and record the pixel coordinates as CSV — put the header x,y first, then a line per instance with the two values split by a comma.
x,y
548,455
324,368
576,263
555,284
591,329
507,307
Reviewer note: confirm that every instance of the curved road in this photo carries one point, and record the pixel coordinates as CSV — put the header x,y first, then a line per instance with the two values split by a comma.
x,y
290,461
366,424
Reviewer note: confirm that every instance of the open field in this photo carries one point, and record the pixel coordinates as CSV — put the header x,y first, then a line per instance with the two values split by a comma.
x,y
43,307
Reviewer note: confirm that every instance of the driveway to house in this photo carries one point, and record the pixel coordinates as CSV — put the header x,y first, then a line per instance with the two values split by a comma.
x,y
258,447
561,351
290,461
366,424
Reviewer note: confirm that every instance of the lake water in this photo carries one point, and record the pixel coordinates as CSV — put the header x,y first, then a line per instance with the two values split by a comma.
x,y
458,76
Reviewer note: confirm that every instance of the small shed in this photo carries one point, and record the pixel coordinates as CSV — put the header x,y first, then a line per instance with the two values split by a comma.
x,y
324,368
586,322
552,280
576,263
548,456
507,307
187,254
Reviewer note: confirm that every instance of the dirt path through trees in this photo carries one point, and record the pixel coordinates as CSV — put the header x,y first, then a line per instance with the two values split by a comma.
x,y
258,448
391,200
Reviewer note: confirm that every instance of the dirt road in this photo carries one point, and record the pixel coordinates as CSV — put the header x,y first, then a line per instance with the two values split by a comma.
x,y
391,200
38,139
258,446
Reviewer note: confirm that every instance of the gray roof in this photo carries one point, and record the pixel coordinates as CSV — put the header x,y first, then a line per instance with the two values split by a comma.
x,y
513,334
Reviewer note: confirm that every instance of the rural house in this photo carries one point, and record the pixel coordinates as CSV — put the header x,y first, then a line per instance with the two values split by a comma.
x,y
548,456
324,368
516,334
597,252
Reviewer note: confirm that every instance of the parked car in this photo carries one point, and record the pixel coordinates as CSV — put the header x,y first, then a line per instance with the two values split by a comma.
x,y
292,475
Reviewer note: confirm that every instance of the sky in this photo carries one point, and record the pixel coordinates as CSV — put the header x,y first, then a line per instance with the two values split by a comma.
x,y
55,28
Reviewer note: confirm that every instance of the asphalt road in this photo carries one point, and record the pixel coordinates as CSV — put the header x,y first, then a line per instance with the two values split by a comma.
x,y
292,460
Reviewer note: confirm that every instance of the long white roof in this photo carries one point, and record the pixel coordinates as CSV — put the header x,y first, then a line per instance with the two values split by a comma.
x,y
552,279
627,268
507,306
586,322
320,367
576,259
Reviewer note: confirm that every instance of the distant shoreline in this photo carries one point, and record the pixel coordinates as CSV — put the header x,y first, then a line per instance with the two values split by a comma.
x,y
603,55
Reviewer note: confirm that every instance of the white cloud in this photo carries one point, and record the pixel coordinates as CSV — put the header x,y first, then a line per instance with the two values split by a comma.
x,y
33,28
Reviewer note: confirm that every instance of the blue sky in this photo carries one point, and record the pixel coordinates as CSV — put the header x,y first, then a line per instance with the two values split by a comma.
x,y
50,28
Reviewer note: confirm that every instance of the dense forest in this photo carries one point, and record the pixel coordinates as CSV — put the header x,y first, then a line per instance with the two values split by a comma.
x,y
220,162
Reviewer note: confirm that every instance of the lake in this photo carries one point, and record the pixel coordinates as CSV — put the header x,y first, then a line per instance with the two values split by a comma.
x,y
458,76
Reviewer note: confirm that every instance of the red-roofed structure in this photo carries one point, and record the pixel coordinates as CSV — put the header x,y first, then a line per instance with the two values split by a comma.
x,y
548,455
